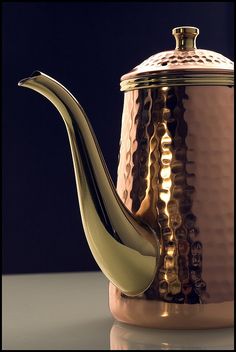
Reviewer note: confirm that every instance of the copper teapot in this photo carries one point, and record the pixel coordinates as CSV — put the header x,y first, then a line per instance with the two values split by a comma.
x,y
164,236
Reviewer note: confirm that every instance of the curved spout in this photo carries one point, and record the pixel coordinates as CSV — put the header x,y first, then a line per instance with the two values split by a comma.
x,y
125,250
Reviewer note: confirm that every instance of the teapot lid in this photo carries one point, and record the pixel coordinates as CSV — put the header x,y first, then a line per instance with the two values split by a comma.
x,y
186,65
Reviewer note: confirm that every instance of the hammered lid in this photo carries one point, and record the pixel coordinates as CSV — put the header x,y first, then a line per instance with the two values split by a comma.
x,y
185,64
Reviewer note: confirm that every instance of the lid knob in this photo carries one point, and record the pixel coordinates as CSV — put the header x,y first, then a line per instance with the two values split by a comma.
x,y
185,37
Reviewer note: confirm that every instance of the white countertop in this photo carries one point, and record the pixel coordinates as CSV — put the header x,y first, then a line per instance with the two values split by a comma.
x,y
70,311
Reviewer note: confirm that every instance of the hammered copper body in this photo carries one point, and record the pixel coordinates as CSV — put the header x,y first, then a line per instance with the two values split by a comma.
x,y
176,173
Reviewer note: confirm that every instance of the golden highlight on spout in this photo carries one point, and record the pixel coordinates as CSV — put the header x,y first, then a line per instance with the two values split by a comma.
x,y
127,251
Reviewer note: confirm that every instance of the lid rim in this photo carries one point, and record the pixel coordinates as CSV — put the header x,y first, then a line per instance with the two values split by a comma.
x,y
177,71
186,79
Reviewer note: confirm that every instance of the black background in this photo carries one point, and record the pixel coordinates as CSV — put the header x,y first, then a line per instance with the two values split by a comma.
x,y
87,47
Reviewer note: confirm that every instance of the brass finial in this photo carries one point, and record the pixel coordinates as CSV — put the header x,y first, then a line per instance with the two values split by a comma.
x,y
185,37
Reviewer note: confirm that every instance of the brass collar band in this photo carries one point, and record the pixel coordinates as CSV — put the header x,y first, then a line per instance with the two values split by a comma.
x,y
186,79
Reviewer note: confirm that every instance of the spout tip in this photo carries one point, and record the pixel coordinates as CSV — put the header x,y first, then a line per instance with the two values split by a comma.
x,y
34,74
22,81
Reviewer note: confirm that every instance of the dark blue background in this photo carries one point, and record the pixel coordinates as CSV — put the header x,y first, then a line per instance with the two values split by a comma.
x,y
87,47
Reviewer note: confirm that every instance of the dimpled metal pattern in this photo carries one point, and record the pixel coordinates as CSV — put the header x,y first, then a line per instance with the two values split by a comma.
x,y
186,65
187,59
175,173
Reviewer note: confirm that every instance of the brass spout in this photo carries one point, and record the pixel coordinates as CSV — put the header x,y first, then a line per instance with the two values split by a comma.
x,y
126,250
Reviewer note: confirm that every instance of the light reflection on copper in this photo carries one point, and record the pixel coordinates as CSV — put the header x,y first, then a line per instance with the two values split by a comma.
x,y
164,189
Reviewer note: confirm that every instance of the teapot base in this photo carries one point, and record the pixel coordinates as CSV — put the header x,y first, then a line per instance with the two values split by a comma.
x,y
163,315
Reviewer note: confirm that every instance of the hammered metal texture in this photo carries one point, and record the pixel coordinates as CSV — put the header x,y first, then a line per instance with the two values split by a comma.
x,y
176,174
197,59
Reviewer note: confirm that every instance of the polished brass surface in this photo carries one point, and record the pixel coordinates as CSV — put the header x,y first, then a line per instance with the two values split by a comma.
x,y
125,249
176,173
185,37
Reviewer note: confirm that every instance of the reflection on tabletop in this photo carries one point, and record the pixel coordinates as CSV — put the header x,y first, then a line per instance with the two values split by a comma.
x,y
127,337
